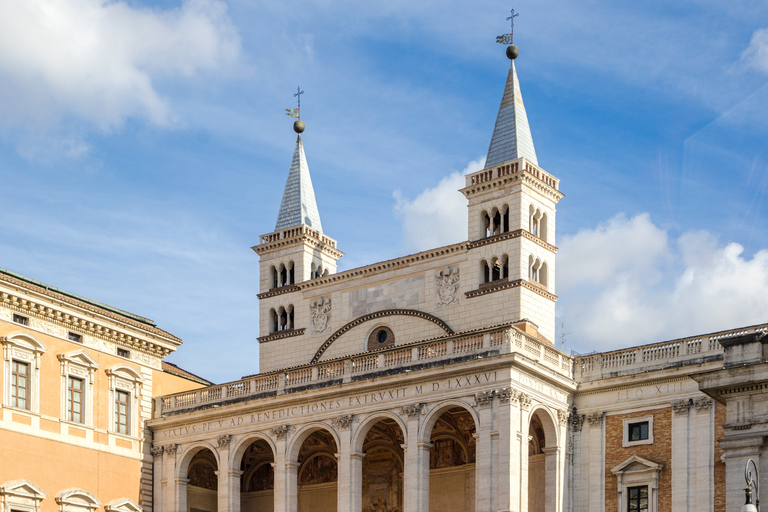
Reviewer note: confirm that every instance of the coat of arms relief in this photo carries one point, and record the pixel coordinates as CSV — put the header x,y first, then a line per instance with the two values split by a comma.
x,y
448,286
321,314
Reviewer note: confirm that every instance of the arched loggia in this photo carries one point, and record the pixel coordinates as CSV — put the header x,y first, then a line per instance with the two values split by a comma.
x,y
257,480
542,461
199,490
313,457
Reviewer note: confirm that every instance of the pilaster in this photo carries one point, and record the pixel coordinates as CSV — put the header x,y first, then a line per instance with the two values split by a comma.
x,y
680,455
416,476
484,494
228,492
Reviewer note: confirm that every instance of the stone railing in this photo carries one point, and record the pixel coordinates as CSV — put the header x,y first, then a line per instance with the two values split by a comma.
x,y
510,168
295,232
500,340
657,355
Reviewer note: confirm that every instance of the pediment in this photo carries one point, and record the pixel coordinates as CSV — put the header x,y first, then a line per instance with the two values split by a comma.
x,y
125,372
122,505
79,357
23,488
24,340
636,464
78,498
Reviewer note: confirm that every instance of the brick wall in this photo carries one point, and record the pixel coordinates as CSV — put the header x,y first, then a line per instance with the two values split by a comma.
x,y
719,465
660,452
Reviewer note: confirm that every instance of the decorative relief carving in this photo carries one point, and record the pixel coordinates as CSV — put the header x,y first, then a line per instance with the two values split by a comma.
x,y
507,394
703,403
6,314
321,314
448,286
485,398
682,406
576,421
172,449
343,422
224,440
595,419
156,450
282,432
525,401
412,410
562,416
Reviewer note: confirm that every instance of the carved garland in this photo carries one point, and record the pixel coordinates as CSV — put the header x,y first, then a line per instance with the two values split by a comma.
x,y
379,314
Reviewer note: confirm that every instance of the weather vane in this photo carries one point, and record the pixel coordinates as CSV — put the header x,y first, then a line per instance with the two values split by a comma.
x,y
296,112
507,38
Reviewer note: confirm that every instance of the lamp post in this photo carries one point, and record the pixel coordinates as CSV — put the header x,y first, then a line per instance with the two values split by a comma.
x,y
752,481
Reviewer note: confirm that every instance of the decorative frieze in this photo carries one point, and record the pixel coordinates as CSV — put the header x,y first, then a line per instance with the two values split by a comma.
x,y
595,419
682,407
224,440
485,398
412,410
321,314
282,432
447,283
343,422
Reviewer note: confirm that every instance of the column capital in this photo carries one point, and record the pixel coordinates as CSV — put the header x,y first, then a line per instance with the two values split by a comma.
x,y
413,411
484,399
681,407
224,440
343,422
595,419
282,432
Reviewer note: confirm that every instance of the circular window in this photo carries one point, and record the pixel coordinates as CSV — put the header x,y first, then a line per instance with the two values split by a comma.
x,y
381,337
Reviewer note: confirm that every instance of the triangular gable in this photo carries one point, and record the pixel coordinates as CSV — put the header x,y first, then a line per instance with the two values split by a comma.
x,y
635,464
23,488
80,357
122,505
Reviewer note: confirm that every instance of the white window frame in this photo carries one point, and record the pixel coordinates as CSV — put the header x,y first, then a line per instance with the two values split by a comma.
x,y
80,365
25,348
77,500
125,378
122,505
21,495
638,472
639,419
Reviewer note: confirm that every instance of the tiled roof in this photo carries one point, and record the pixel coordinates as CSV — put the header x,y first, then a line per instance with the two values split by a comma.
x,y
511,135
298,206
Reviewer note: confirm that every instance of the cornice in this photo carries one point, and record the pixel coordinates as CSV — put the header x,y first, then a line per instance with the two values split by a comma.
x,y
279,291
526,175
281,335
82,325
300,239
505,285
509,235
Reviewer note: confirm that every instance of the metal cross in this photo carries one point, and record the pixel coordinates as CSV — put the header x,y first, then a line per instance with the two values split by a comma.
x,y
511,19
298,94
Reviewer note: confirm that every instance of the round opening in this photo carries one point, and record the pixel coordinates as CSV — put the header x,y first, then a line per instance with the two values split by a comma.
x,y
382,336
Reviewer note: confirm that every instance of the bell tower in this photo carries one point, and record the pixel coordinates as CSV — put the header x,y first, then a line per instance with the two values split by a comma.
x,y
512,216
296,251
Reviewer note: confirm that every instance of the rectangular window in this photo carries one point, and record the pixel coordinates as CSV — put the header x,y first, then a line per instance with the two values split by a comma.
x,y
73,336
20,384
638,431
638,499
21,319
123,353
122,412
75,399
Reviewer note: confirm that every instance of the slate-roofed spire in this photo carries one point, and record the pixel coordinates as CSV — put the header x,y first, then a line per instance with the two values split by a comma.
x,y
511,135
298,205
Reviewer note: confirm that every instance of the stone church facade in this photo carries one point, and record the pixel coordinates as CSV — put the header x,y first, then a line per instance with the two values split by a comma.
x,y
431,381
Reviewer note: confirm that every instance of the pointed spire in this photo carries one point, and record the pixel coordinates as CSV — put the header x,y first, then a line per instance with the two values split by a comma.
x,y
298,205
511,135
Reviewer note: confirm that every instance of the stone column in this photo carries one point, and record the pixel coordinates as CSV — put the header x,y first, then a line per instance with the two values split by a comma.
x,y
416,476
350,470
704,453
523,438
285,493
680,462
228,495
484,493
157,478
596,469
552,478
175,491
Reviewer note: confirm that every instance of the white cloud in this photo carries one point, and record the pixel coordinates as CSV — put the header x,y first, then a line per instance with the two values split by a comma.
x,y
438,215
625,282
97,59
756,53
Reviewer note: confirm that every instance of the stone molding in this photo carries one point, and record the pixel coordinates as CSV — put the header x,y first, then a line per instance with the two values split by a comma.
x,y
282,432
343,422
507,395
278,291
595,419
512,234
156,450
412,411
702,404
372,316
172,449
504,285
279,335
525,401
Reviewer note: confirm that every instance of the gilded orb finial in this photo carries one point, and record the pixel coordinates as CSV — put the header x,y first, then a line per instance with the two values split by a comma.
x,y
298,126
512,51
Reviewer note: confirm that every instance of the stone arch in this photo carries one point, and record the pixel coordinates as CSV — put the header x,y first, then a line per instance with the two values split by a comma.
x,y
292,453
189,453
548,422
241,445
542,461
358,436
379,314
437,410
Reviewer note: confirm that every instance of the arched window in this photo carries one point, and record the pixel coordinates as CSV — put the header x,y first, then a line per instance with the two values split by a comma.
x,y
495,269
505,219
484,272
290,316
486,223
290,273
325,272
505,267
543,274
272,277
543,227
535,218
283,275
496,222
282,319
273,326
534,264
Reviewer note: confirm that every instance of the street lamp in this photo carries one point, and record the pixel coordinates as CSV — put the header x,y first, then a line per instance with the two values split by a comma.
x,y
752,481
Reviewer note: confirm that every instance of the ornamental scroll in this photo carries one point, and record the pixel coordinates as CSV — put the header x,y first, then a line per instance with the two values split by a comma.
x,y
448,286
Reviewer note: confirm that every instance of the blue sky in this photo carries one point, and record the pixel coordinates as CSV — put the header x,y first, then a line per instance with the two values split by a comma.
x,y
144,148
